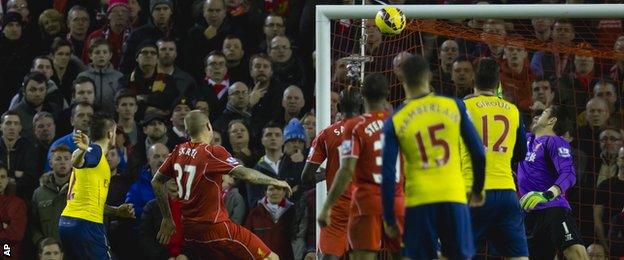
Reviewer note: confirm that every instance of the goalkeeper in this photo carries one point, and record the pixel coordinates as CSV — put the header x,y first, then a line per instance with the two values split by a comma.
x,y
543,178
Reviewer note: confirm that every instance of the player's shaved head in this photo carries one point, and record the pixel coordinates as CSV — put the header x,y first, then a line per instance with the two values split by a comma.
x,y
487,74
375,87
196,122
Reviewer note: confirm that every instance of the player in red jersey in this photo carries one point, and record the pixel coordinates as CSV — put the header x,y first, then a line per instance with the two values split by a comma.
x,y
333,240
198,168
361,164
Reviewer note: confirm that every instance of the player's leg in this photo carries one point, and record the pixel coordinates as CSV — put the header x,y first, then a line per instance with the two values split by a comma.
x,y
83,239
507,234
455,230
566,235
365,235
393,245
328,256
333,240
538,240
363,254
420,236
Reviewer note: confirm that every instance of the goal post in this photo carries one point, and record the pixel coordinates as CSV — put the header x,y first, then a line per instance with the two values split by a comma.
x,y
326,13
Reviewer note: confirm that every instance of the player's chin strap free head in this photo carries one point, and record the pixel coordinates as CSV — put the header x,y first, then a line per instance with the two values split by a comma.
x,y
350,101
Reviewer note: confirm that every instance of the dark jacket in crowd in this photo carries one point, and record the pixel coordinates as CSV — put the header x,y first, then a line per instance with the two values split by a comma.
x,y
106,85
276,232
48,202
21,166
147,32
13,212
15,62
235,205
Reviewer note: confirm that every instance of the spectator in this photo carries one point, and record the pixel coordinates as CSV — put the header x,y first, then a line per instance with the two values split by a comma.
x,y
542,28
558,64
272,221
309,123
292,105
293,160
216,82
609,200
126,108
102,74
16,56
606,91
154,131
449,51
239,142
120,181
610,143
167,55
50,249
177,132
266,92
273,26
617,71
150,224
17,150
140,191
462,76
495,28
596,251
13,216
114,32
202,105
30,29
83,91
50,198
216,138
236,61
397,62
34,101
207,34
597,116
288,68
80,118
78,22
543,94
66,67
232,199
516,77
272,141
53,95
51,25
45,132
159,26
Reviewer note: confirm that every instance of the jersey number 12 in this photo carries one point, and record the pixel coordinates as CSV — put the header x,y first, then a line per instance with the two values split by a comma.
x,y
184,191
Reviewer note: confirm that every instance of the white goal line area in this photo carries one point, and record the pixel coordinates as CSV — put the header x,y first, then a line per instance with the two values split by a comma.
x,y
326,13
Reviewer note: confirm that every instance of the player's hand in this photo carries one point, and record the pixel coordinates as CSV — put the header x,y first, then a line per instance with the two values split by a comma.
x,y
324,219
285,185
167,228
391,231
476,200
125,211
531,199
81,140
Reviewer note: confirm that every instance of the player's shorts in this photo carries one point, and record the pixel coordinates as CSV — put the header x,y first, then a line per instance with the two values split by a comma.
x,y
83,239
450,222
500,222
333,238
550,229
366,233
224,240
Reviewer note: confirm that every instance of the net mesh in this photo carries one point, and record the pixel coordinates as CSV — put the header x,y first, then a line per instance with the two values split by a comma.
x,y
543,62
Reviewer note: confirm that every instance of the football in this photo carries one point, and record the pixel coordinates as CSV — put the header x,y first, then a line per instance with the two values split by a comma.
x,y
390,20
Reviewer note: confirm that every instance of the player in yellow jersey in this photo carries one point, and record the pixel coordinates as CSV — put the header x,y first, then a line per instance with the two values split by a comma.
x,y
80,227
501,129
428,130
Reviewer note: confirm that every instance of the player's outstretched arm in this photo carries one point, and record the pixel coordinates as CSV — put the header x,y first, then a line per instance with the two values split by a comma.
x,y
342,180
256,177
82,142
167,226
475,147
520,148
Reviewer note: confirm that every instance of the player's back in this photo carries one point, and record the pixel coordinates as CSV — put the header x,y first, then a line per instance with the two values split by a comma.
x,y
325,147
363,141
198,169
497,121
428,132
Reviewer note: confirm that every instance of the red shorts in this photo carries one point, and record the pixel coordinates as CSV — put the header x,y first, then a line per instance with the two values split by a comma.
x,y
333,238
366,233
225,240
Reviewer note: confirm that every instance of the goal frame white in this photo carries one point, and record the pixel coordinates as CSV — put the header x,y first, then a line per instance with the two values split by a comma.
x,y
325,13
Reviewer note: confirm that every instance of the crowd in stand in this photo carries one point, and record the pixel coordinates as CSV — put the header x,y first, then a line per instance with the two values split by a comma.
x,y
248,64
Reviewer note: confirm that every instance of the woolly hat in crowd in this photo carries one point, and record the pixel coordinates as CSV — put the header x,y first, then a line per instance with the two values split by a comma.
x,y
114,3
294,130
11,17
145,44
154,3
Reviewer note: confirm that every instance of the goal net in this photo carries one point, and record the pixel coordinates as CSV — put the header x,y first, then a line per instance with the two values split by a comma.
x,y
545,60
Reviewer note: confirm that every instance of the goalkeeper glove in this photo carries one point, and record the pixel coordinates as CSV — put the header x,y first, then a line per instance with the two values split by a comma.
x,y
531,199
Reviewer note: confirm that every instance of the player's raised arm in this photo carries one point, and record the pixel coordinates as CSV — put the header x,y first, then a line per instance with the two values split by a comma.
x,y
256,177
388,171
475,147
520,148
82,142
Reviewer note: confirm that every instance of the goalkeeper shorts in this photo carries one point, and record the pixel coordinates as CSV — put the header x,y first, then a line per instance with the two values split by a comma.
x,y
549,230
